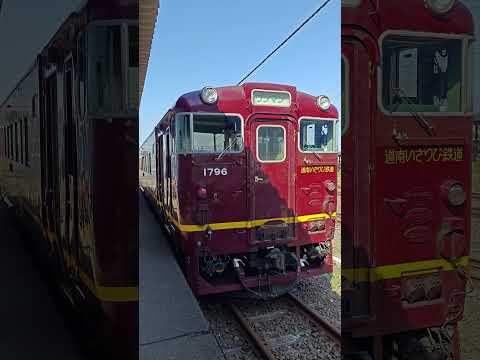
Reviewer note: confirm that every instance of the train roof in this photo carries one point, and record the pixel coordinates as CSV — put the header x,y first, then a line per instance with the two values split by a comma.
x,y
410,15
236,99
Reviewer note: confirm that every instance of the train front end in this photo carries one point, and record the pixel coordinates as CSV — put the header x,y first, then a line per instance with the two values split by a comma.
x,y
253,187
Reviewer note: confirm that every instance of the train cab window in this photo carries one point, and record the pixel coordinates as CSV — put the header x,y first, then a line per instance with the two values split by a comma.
x,y
317,135
112,70
209,133
183,136
271,146
422,74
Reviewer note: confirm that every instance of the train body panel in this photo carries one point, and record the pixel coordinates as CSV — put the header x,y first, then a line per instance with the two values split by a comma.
x,y
406,187
228,179
63,171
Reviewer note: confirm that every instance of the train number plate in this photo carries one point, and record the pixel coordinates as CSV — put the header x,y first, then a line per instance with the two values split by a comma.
x,y
215,172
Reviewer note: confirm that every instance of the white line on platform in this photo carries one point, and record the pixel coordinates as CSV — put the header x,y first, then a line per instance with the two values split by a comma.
x,y
337,259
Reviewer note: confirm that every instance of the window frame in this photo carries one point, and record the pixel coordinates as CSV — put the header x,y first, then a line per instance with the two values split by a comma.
x,y
271,91
124,51
284,143
191,115
465,90
335,124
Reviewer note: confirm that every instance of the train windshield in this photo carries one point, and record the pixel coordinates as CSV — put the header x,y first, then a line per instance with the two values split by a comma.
x,y
422,74
209,133
317,135
113,65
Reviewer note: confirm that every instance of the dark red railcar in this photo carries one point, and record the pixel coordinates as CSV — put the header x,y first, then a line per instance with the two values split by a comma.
x,y
245,181
407,131
69,131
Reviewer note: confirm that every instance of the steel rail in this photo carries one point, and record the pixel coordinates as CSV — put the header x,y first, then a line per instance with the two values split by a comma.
x,y
313,314
257,340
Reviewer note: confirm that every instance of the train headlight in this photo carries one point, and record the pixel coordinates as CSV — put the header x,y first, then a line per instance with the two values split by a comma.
x,y
323,102
330,186
453,193
456,195
440,7
209,95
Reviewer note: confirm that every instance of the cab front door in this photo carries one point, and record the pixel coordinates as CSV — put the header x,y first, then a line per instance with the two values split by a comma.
x,y
272,179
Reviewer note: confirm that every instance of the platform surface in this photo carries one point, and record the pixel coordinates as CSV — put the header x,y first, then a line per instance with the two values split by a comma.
x,y
172,325
30,325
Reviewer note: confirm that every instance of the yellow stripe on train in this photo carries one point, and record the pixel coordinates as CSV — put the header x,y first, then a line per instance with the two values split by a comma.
x,y
398,270
247,224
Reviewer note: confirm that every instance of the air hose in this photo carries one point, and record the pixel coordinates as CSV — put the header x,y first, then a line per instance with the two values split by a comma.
x,y
262,295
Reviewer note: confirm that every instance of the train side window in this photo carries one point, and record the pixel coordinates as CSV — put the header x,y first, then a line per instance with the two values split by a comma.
x,y
20,128
81,70
168,156
7,129
317,135
10,128
112,71
105,74
12,144
34,107
271,145
25,130
16,141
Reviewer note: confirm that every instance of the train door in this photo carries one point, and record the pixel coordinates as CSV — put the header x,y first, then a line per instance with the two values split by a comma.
x,y
50,155
272,178
70,156
159,165
356,180
51,170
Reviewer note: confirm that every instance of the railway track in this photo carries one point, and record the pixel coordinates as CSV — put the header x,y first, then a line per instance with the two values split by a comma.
x,y
306,334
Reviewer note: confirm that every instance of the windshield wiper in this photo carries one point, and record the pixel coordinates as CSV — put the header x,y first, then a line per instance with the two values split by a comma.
x,y
235,140
317,155
422,122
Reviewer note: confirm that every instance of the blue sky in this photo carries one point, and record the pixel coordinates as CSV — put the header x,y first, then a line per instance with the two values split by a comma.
x,y
213,42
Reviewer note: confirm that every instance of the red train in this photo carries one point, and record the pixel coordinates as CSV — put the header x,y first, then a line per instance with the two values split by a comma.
x,y
406,181
244,178
66,132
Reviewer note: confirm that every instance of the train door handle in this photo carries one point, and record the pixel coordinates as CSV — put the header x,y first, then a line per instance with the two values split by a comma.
x,y
258,179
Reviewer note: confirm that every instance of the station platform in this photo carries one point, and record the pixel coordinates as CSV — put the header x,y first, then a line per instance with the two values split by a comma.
x,y
172,325
30,325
